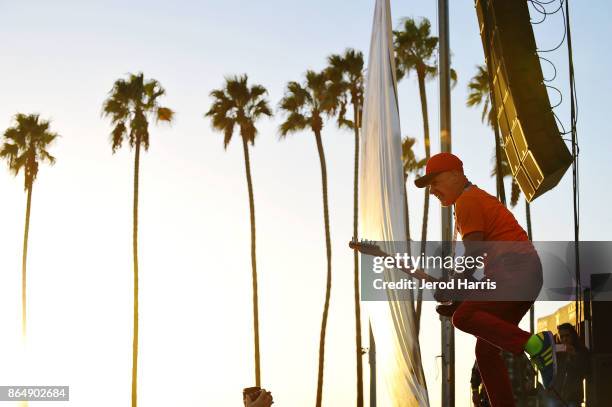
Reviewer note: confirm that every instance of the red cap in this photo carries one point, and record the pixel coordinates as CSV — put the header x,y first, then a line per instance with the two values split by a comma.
x,y
436,164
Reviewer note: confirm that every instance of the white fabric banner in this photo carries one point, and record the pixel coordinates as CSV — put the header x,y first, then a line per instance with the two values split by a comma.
x,y
400,378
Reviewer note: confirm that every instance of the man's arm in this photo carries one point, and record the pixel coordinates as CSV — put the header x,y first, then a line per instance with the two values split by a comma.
x,y
474,247
474,236
470,219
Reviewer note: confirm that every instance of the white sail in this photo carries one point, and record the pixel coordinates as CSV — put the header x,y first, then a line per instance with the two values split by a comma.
x,y
399,372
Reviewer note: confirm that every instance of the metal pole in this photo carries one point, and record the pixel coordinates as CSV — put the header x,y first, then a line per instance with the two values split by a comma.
x,y
530,235
447,330
372,360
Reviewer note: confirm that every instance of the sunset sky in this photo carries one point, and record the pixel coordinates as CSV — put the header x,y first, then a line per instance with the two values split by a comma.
x,y
61,58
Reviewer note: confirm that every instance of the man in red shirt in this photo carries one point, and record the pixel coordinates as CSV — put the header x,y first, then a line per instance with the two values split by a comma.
x,y
480,217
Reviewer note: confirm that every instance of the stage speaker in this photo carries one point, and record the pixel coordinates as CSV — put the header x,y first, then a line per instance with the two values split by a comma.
x,y
537,155
599,391
601,322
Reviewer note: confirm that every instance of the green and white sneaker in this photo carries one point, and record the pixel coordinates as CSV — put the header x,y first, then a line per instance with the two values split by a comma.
x,y
545,358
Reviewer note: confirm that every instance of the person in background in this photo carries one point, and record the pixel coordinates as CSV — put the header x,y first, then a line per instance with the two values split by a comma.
x,y
572,369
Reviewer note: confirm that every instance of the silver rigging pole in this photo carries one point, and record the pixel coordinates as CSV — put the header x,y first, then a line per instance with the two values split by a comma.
x,y
447,330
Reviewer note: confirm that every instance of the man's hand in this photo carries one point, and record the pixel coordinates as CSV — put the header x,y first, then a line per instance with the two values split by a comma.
x,y
474,247
442,296
264,400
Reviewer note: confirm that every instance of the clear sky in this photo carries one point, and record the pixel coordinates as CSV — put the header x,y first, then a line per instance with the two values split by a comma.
x,y
60,59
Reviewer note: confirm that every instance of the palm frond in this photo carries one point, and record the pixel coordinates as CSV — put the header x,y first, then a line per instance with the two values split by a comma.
x,y
130,103
237,104
516,193
453,77
257,91
117,136
295,98
414,44
260,108
48,158
411,164
293,123
479,94
322,94
228,131
416,49
26,143
165,114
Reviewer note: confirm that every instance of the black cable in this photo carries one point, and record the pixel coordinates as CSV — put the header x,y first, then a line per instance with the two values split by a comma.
x,y
544,2
576,103
536,4
560,96
560,124
575,178
553,66
574,137
564,28
549,13
538,22
577,146
540,7
543,12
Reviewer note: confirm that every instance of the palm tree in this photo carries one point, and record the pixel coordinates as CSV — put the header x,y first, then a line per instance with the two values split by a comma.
x,y
411,166
506,172
238,105
346,73
131,103
25,147
304,106
479,94
415,51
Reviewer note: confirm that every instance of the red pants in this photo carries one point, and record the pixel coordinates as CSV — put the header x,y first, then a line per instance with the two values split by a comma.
x,y
495,325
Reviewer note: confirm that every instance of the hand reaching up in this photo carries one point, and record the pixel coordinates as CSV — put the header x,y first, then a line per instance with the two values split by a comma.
x,y
264,400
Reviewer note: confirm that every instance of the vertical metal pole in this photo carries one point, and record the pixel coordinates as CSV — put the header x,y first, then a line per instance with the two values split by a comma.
x,y
534,380
530,235
372,360
447,330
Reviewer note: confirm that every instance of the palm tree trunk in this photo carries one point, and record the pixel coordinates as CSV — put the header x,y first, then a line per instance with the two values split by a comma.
x,y
408,245
247,164
415,327
328,285
358,344
24,260
423,95
528,216
135,255
501,191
